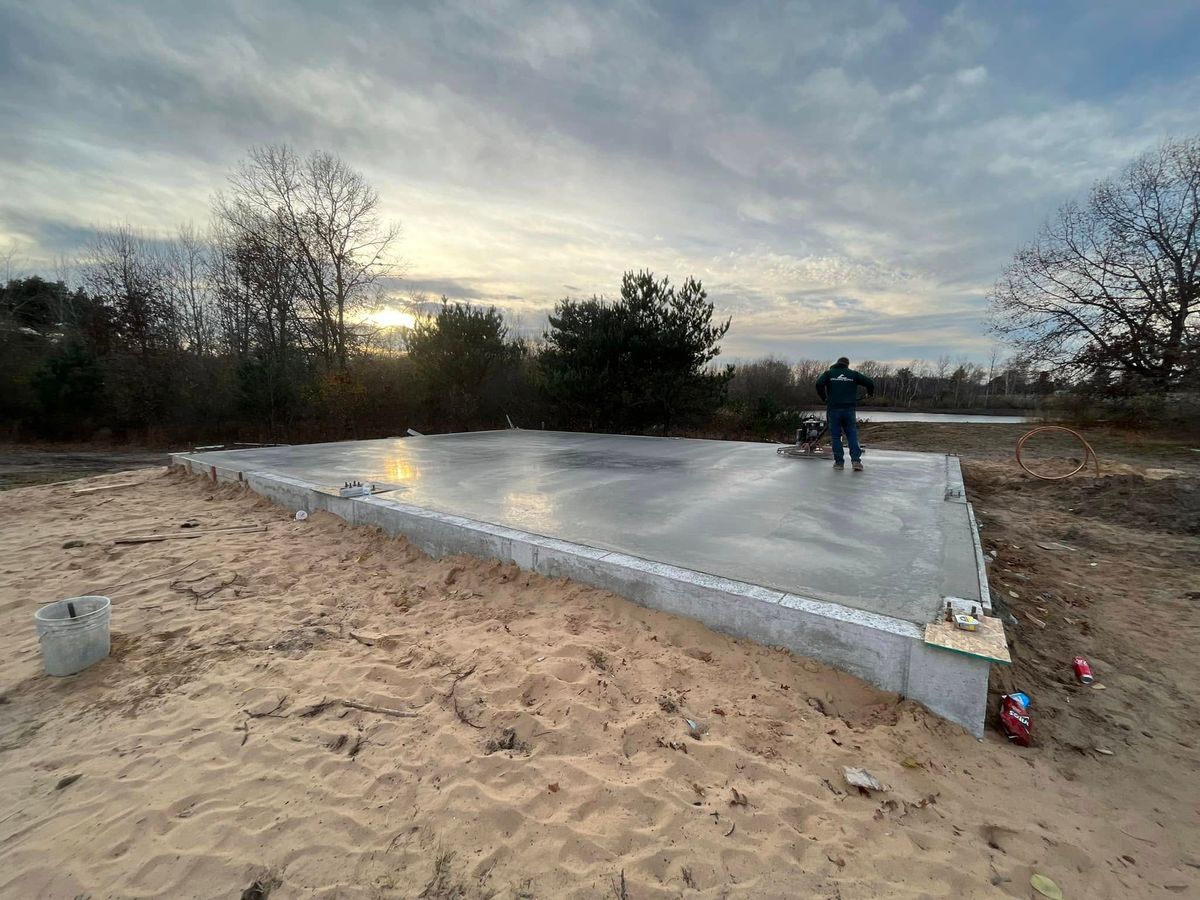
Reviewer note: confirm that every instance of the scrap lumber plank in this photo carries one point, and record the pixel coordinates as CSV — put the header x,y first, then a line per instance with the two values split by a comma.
x,y
186,535
105,487
988,642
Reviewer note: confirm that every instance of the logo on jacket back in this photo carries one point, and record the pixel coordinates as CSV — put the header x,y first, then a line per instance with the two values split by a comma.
x,y
841,378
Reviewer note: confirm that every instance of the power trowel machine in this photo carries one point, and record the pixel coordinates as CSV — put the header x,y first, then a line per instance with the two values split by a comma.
x,y
813,428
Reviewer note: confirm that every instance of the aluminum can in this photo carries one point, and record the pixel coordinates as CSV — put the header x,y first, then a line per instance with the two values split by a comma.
x,y
1083,671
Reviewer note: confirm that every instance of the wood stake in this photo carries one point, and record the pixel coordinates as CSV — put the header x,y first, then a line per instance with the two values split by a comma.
x,y
186,535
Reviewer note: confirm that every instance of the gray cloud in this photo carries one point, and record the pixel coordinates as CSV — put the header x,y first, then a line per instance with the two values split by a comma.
x,y
434,288
821,167
51,236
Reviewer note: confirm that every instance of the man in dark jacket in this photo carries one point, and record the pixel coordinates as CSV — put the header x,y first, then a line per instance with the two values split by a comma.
x,y
839,389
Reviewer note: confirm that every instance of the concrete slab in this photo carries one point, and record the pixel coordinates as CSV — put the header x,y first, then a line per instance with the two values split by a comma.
x,y
884,541
842,566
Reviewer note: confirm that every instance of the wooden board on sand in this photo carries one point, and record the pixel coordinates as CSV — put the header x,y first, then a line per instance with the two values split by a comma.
x,y
987,642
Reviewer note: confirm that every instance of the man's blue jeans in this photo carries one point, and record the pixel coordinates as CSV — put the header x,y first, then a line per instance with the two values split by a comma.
x,y
844,419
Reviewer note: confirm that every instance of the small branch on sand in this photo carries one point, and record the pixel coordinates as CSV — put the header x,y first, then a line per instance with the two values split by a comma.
x,y
271,713
318,708
462,716
454,700
382,710
186,584
1143,840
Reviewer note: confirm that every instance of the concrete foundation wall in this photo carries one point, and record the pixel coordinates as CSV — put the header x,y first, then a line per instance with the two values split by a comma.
x,y
887,652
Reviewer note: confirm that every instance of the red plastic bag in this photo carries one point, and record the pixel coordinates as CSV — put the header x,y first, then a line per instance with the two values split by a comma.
x,y
1015,720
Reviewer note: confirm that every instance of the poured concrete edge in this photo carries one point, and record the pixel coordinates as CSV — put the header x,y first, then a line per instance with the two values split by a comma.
x,y
884,651
956,492
985,595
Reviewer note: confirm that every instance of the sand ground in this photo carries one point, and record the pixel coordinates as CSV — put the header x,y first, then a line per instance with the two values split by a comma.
x,y
547,753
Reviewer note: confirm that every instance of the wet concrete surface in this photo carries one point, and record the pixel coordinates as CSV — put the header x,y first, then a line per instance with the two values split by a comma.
x,y
886,540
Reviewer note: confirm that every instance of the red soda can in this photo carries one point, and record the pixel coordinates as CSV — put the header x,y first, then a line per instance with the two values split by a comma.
x,y
1083,671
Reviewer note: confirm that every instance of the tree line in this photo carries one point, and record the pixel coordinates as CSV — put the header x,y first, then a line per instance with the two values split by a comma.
x,y
252,328
187,340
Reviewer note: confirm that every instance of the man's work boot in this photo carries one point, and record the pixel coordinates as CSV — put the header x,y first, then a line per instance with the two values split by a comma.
x,y
857,466
839,466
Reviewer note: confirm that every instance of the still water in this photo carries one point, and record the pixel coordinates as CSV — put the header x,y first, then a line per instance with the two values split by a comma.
x,y
933,417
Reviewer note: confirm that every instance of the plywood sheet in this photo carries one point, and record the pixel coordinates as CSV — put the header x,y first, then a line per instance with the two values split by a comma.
x,y
987,642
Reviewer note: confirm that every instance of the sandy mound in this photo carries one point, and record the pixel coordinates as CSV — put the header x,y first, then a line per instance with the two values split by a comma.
x,y
245,732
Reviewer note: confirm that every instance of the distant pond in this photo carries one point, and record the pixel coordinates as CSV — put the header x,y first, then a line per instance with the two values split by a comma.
x,y
887,415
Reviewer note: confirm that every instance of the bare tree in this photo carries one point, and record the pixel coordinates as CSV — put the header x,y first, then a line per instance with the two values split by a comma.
x,y
8,263
880,373
769,377
805,373
940,371
235,311
267,270
1112,285
332,217
255,274
187,270
125,271
991,375
907,382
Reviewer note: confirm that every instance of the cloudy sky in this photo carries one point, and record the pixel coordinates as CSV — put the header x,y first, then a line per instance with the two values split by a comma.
x,y
843,177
